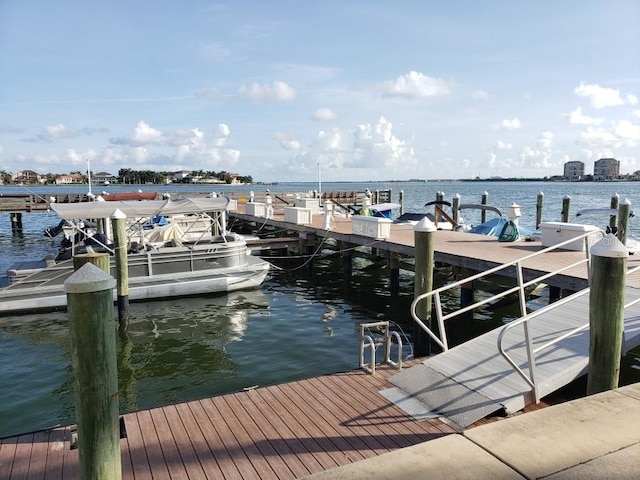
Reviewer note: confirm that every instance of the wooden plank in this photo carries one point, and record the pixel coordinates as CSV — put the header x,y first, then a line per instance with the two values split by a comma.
x,y
168,446
246,433
199,442
184,447
22,458
136,449
301,433
216,443
8,448
228,439
152,442
254,407
39,453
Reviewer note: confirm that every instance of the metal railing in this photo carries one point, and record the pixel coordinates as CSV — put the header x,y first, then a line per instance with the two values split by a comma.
x,y
520,288
532,352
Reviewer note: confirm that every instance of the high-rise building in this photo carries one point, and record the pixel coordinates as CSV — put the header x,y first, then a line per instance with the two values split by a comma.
x,y
573,171
606,169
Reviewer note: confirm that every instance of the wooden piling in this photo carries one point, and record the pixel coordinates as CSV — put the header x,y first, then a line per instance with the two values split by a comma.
x,y
484,201
615,200
401,201
424,235
394,274
539,202
100,260
455,209
624,212
566,204
16,222
93,357
606,313
118,224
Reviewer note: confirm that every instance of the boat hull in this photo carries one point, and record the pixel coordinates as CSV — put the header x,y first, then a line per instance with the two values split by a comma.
x,y
202,271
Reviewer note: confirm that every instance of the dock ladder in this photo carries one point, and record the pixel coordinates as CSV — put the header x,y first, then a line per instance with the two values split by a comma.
x,y
367,343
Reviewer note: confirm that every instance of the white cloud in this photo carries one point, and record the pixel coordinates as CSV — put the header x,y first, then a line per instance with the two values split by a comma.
x,y
632,99
323,114
599,97
545,140
636,113
577,118
415,85
504,145
58,131
277,92
288,142
625,130
509,124
143,133
370,145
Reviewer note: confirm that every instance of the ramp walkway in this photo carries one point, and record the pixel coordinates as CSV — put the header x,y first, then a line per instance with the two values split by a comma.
x,y
511,366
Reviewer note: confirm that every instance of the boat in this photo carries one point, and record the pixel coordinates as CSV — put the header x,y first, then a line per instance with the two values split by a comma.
x,y
157,269
605,214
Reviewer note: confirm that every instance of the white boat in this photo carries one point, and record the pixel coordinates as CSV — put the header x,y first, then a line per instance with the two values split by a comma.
x,y
164,269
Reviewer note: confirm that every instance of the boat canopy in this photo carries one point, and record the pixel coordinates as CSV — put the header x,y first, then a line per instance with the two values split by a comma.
x,y
146,208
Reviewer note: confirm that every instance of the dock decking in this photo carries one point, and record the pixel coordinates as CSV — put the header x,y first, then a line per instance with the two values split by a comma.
x,y
281,432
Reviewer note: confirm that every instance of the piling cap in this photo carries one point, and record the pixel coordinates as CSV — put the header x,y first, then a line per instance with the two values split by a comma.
x,y
425,225
610,247
89,279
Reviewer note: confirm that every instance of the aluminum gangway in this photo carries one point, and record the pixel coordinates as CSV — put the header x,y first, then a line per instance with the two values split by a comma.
x,y
514,365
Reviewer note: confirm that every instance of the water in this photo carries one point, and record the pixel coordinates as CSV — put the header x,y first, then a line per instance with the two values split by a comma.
x,y
298,324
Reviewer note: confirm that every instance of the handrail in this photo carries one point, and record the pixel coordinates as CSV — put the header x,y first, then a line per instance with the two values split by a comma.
x,y
531,352
520,288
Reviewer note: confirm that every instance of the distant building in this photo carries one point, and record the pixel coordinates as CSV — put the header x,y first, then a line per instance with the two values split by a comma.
x,y
103,178
69,179
573,171
606,169
26,176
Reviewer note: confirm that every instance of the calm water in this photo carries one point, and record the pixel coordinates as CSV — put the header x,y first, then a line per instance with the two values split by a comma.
x,y
298,324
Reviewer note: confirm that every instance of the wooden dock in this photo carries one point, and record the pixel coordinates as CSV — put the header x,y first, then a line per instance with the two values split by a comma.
x,y
280,432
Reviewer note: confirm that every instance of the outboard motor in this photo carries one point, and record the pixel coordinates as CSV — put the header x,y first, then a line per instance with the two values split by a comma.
x,y
52,232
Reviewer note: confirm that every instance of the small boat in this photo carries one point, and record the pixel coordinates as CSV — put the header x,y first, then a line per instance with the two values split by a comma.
x,y
157,270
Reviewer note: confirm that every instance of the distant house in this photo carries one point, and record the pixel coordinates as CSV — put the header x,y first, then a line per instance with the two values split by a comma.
x,y
69,179
573,171
26,176
606,169
103,178
181,175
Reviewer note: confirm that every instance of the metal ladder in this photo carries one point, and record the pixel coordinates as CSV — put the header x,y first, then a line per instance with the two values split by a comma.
x,y
367,343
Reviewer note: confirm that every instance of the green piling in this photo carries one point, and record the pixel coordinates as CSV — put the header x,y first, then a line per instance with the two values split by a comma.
x,y
624,212
93,357
424,235
606,313
118,224
615,200
539,203
484,201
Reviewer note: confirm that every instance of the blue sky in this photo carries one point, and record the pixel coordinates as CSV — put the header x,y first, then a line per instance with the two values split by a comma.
x,y
357,90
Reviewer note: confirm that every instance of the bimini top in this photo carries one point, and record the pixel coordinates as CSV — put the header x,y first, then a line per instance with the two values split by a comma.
x,y
144,208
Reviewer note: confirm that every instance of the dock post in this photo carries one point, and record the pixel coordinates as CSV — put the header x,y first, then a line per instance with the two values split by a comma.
x,y
484,201
394,274
566,203
401,201
624,212
424,235
345,249
606,313
455,209
93,357
16,222
100,260
118,224
615,200
539,202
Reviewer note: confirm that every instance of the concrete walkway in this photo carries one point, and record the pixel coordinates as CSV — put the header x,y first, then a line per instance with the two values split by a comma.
x,y
596,437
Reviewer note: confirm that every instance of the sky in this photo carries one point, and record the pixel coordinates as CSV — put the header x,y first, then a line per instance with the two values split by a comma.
x,y
334,90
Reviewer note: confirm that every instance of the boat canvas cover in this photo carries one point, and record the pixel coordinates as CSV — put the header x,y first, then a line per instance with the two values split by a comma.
x,y
146,208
